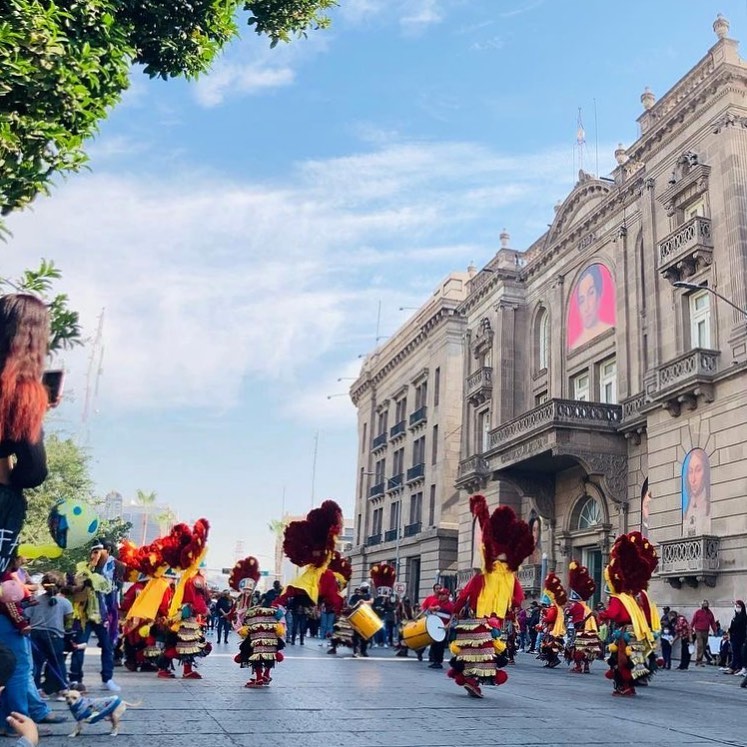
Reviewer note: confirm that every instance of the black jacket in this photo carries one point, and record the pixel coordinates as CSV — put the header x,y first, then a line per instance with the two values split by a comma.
x,y
738,627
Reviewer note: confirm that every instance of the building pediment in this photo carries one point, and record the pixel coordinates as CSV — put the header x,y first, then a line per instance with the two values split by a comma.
x,y
586,196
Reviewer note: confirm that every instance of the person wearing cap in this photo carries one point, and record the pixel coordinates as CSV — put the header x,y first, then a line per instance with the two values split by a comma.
x,y
94,586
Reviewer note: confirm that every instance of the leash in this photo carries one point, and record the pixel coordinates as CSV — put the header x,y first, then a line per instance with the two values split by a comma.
x,y
61,677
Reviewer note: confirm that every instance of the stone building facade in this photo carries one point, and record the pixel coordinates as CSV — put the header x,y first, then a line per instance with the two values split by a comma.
x,y
409,401
605,391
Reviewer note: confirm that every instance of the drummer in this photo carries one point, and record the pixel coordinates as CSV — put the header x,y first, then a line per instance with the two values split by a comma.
x,y
361,594
439,604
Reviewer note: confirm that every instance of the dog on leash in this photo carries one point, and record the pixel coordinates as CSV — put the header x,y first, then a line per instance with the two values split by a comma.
x,y
92,710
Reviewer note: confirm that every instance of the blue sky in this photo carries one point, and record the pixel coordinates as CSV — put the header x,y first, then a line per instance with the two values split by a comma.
x,y
241,230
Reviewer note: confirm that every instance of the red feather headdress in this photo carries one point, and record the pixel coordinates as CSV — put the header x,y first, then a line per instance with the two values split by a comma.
x,y
502,533
556,588
383,576
245,571
580,581
312,540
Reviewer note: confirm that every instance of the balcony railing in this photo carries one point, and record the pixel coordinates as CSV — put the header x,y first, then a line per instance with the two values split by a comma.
x,y
398,429
632,407
689,560
480,385
416,473
530,577
559,413
418,417
373,539
390,535
377,489
681,381
395,482
379,441
412,529
475,465
688,248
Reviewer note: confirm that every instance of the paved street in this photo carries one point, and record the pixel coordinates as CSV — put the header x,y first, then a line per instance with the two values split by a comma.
x,y
321,701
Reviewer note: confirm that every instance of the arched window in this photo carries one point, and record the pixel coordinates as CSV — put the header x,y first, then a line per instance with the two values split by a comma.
x,y
590,514
543,339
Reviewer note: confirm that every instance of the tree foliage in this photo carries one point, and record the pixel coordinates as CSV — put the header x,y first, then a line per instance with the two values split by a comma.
x,y
64,64
64,332
69,477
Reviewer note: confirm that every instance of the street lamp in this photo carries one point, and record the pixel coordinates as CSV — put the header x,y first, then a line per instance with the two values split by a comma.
x,y
697,287
342,394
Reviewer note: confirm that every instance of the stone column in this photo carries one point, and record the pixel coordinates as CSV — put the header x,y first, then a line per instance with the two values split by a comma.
x,y
504,363
556,380
731,231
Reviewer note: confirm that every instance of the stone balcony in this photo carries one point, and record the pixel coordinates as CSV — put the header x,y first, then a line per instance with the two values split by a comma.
x,y
419,417
480,385
686,250
395,482
412,529
379,442
531,449
472,473
679,383
689,560
398,430
416,473
530,578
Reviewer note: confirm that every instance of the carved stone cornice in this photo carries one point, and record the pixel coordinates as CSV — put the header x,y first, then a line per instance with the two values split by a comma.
x,y
539,487
611,468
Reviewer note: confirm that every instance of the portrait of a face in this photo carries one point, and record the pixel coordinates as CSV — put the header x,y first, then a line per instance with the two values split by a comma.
x,y
696,493
535,524
645,507
591,309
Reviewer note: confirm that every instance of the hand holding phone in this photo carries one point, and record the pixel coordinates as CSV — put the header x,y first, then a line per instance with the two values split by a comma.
x,y
53,382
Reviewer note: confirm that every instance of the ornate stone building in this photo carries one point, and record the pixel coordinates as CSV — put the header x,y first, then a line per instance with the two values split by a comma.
x,y
606,390
409,401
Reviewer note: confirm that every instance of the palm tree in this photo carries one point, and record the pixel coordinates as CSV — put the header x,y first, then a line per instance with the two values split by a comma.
x,y
147,501
166,519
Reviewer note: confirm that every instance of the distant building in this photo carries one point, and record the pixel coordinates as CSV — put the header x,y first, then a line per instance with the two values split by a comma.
x,y
113,505
148,522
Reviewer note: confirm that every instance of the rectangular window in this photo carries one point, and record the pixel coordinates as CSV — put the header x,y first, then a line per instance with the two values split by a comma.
x,y
540,399
383,417
436,387
378,520
418,451
608,382
416,508
401,410
483,431
581,387
399,462
380,470
394,516
434,445
358,531
700,320
695,210
364,441
432,507
421,395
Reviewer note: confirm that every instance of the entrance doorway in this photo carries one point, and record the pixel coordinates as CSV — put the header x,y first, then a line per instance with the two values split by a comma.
x,y
413,579
591,557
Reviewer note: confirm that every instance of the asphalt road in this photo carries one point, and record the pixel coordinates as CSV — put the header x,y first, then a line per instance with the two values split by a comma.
x,y
323,701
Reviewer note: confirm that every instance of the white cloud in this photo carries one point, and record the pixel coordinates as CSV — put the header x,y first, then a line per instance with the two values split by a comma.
x,y
212,285
227,78
412,16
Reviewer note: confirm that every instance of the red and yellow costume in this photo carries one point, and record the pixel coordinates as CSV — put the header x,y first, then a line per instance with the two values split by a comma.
x,y
478,652
650,610
174,615
260,627
342,631
310,544
552,620
627,574
582,644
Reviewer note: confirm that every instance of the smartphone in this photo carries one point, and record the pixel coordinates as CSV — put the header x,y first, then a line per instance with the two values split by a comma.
x,y
53,382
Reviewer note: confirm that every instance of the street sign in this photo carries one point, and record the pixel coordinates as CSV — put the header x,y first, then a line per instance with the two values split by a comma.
x,y
400,587
264,573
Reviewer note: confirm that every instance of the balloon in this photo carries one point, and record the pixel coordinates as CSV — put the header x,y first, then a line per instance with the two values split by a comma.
x,y
72,524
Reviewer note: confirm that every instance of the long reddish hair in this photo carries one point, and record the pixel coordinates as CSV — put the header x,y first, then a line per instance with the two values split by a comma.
x,y
24,337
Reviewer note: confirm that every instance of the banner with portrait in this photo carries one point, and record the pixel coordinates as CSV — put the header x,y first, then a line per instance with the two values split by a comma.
x,y
591,307
696,493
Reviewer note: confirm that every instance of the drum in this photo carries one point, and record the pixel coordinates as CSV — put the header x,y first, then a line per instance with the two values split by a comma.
x,y
365,621
420,633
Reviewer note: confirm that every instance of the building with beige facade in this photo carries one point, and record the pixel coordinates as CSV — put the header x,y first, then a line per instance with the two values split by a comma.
x,y
602,394
409,401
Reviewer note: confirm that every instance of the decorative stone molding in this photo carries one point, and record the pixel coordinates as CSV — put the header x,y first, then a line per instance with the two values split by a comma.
x,y
557,412
483,338
686,250
480,386
530,578
473,473
539,487
611,468
680,382
690,561
727,120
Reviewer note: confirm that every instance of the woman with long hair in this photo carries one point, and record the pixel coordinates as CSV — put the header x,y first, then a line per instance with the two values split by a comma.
x,y
24,338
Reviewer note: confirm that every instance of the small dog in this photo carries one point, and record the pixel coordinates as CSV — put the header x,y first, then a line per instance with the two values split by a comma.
x,y
92,710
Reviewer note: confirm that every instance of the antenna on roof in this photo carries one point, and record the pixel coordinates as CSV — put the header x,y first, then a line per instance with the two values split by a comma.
x,y
596,141
580,140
